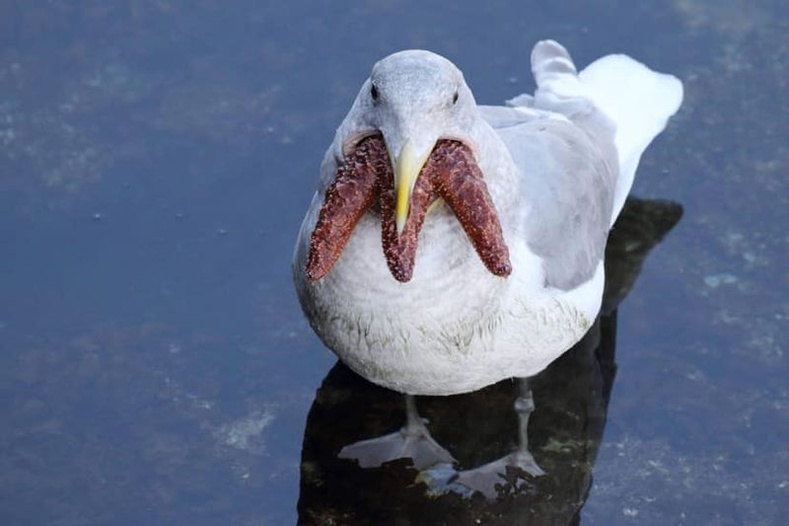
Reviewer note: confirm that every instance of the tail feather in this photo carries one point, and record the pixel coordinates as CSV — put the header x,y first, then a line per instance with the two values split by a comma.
x,y
637,99
640,102
558,87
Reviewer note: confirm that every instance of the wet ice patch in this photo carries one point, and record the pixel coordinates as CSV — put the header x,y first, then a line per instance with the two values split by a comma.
x,y
247,433
716,280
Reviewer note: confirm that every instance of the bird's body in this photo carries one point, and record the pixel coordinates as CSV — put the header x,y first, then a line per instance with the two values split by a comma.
x,y
556,166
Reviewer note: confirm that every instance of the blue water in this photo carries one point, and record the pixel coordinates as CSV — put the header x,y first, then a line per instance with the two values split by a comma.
x,y
156,158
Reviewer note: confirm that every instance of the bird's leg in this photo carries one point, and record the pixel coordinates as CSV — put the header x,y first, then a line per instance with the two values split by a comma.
x,y
524,405
414,424
412,441
486,478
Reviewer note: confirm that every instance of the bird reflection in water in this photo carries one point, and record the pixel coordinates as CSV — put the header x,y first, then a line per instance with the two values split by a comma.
x,y
564,432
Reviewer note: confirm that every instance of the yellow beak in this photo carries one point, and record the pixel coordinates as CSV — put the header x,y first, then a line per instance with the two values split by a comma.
x,y
407,167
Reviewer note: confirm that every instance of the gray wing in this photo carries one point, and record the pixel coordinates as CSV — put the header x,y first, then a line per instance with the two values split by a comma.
x,y
563,146
569,170
505,116
513,114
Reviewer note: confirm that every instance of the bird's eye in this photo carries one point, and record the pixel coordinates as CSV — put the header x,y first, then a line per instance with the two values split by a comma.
x,y
455,98
374,93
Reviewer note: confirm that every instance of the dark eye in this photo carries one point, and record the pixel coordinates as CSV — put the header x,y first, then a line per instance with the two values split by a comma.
x,y
455,98
374,93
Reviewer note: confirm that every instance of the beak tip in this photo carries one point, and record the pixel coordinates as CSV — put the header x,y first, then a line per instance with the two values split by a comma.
x,y
400,224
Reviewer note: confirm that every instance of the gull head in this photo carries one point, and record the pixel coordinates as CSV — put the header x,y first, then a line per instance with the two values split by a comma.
x,y
404,144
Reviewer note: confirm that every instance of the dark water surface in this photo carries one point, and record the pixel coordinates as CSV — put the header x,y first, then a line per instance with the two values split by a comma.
x,y
156,158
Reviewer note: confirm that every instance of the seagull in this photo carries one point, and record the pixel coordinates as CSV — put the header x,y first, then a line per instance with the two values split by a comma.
x,y
451,245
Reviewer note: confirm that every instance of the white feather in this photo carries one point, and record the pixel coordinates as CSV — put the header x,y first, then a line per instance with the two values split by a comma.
x,y
639,101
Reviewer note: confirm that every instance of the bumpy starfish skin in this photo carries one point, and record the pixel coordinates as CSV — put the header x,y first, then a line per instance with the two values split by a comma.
x,y
347,199
450,173
460,183
400,250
